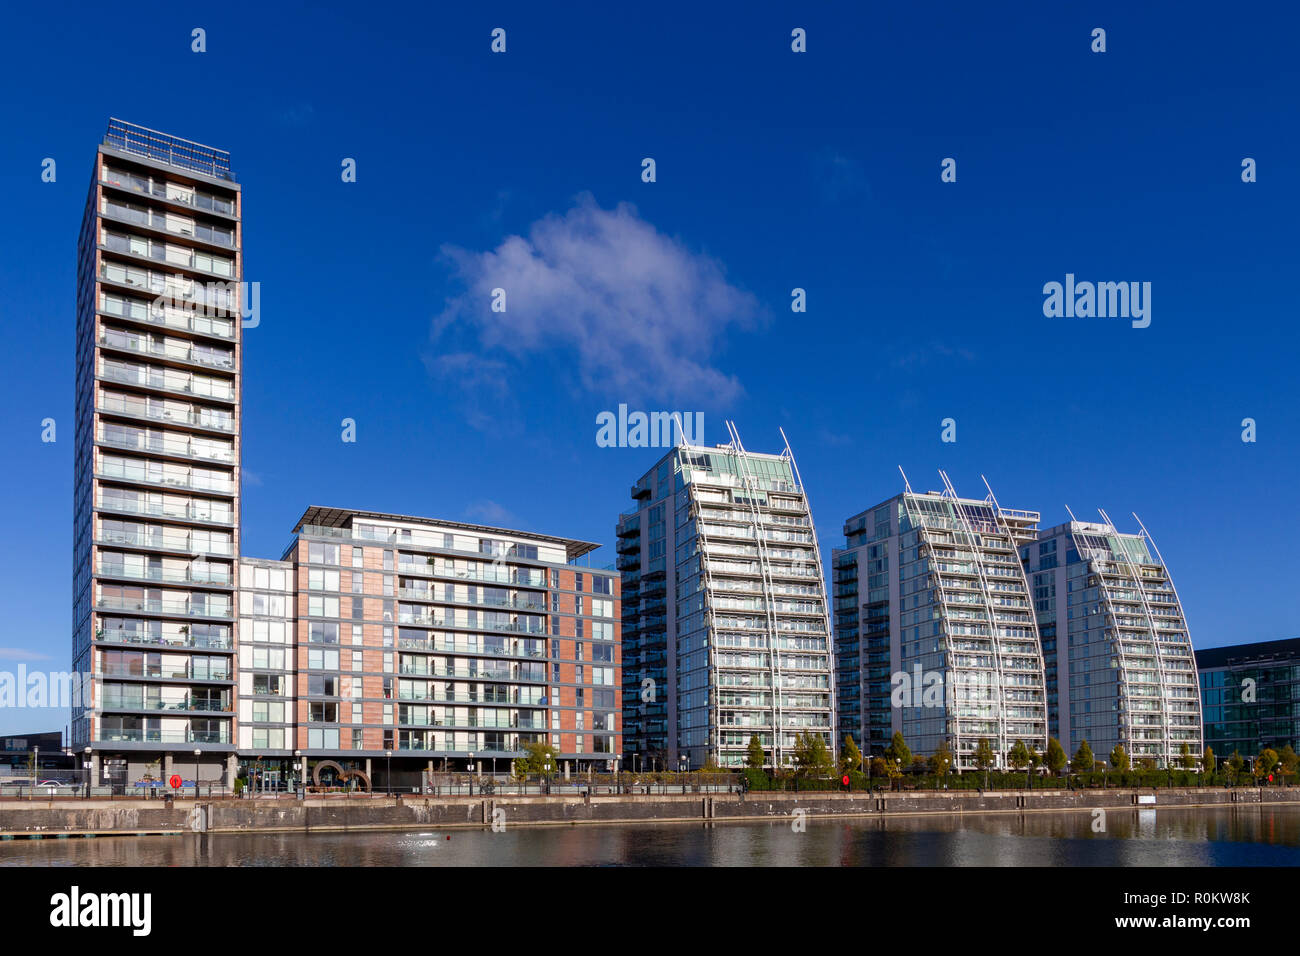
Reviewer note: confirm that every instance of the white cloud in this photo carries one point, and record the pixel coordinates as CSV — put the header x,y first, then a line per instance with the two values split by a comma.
x,y
489,512
641,313
21,654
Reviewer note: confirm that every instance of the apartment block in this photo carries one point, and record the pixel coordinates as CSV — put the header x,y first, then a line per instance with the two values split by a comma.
x,y
1250,697
438,645
1119,654
726,632
156,482
935,636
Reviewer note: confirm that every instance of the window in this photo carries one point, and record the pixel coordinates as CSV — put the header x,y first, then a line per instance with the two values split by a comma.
x,y
320,553
322,660
322,606
323,632
321,579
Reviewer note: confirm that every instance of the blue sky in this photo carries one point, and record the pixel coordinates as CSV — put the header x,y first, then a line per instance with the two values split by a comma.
x,y
775,170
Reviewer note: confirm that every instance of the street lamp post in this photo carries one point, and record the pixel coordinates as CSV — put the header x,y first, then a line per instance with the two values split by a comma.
x,y
300,767
470,767
87,763
388,772
197,753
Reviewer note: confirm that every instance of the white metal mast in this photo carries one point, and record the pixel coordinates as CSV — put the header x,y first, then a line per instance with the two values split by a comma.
x,y
1165,742
1187,631
977,550
821,578
1033,617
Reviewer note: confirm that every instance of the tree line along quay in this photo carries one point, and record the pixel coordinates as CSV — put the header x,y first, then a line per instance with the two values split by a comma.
x,y
901,769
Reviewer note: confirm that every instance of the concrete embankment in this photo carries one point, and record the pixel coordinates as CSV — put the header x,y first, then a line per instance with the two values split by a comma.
x,y
69,817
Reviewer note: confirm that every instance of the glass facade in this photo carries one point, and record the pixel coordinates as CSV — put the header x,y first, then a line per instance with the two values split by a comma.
x,y
935,632
1125,673
729,635
1250,697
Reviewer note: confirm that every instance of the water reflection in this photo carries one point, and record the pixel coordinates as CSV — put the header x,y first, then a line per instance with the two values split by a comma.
x,y
1229,836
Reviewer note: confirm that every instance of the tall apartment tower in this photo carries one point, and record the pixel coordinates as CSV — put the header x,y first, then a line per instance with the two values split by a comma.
x,y
156,488
726,632
934,632
1120,662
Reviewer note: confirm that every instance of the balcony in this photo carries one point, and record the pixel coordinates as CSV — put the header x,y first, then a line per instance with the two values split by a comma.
x,y
169,446
154,377
157,189
191,512
204,356
139,472
168,608
215,576
189,417
167,641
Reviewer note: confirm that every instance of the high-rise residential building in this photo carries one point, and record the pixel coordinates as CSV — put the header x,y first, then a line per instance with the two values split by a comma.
x,y
935,636
156,484
434,644
1119,655
1250,697
725,627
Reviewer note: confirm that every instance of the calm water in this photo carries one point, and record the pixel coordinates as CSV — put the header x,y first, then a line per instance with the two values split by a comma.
x,y
1247,836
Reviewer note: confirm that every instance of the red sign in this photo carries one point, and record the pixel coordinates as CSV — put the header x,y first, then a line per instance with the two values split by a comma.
x,y
175,781
845,780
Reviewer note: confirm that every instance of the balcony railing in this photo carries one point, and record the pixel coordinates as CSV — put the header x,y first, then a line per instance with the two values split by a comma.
x,y
171,608
198,642
197,355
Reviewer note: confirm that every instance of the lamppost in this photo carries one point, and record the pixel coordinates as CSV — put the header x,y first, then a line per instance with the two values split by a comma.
x,y
87,763
470,767
36,764
898,766
300,767
197,753
388,772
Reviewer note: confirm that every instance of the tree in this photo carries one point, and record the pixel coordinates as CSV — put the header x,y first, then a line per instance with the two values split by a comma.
x,y
1084,760
755,757
918,763
1207,760
812,758
1035,759
1054,759
1119,758
898,752
1235,763
880,767
1018,756
850,756
1265,762
1288,761
534,763
983,754
941,759
1185,758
